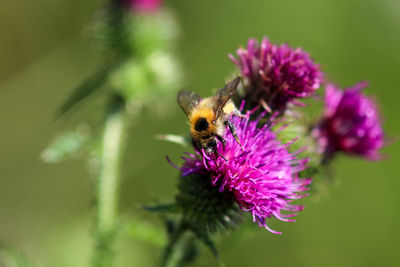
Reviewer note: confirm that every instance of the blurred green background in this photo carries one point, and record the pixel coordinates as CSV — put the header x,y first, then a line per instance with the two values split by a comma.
x,y
46,210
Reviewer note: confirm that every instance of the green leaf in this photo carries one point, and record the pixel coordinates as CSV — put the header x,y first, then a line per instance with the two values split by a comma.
x,y
161,208
66,145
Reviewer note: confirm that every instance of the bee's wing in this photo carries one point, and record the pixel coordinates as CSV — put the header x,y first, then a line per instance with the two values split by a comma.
x,y
188,100
224,94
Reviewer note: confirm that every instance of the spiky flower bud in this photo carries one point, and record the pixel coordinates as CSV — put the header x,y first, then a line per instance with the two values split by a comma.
x,y
275,75
350,124
142,6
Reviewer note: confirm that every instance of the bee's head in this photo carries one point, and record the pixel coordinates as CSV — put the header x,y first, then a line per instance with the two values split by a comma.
x,y
210,146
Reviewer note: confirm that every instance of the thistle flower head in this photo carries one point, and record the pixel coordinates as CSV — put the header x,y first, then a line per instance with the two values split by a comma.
x,y
276,75
262,178
142,6
350,123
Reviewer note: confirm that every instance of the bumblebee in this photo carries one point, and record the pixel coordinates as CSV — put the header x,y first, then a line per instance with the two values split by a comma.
x,y
209,117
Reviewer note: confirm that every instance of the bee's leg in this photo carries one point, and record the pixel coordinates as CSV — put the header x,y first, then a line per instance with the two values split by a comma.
x,y
222,140
233,131
237,112
196,145
216,152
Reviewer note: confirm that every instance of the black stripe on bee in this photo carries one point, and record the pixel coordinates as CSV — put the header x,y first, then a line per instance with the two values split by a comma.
x,y
201,125
206,137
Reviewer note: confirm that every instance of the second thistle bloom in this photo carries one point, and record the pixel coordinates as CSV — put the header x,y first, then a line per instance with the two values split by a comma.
x,y
276,75
142,6
350,123
262,178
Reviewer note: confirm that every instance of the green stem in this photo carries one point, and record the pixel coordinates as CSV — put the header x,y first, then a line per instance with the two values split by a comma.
x,y
181,249
169,259
108,182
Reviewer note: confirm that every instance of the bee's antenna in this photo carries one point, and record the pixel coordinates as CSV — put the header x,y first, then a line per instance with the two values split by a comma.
x,y
220,155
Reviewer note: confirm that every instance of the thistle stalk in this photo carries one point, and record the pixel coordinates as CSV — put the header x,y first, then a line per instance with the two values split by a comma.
x,y
181,249
108,182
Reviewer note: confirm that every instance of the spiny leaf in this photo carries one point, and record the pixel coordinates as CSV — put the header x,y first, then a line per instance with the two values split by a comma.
x,y
86,88
210,245
161,208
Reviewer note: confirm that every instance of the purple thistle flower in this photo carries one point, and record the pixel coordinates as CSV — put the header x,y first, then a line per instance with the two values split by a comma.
x,y
350,123
276,75
142,6
262,177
